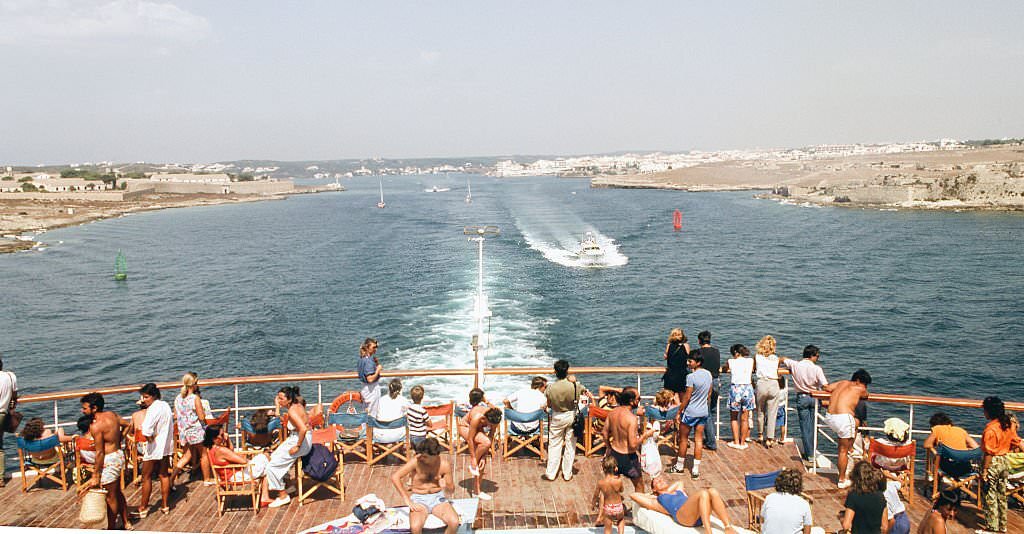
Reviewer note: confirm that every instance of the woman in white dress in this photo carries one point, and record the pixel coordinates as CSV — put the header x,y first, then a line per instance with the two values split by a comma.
x,y
295,446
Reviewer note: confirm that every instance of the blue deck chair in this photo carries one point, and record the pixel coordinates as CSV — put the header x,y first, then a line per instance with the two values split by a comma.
x,y
55,470
654,414
260,439
351,429
960,469
515,439
378,447
752,483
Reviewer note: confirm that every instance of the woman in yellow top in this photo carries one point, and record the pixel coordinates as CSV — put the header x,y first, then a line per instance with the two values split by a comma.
x,y
1000,437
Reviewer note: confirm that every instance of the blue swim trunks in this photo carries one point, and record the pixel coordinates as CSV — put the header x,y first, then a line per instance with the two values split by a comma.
x,y
693,422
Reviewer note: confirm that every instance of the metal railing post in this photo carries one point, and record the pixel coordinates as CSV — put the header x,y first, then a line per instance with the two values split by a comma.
x,y
56,421
638,384
238,423
320,393
814,455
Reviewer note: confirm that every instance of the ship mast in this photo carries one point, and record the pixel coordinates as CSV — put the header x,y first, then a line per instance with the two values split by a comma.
x,y
481,312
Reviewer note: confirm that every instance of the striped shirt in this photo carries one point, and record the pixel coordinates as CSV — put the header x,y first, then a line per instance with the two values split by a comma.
x,y
418,420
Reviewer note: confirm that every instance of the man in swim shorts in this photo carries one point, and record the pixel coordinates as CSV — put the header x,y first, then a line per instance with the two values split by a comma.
x,y
105,430
623,438
840,418
431,478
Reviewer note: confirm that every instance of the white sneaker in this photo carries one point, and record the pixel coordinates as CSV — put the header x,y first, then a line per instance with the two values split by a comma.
x,y
483,496
474,471
280,501
843,484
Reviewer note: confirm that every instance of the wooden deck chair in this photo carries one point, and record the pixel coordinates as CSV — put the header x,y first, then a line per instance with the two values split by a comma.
x,y
236,480
328,437
347,415
378,448
133,442
593,443
442,424
1015,482
753,483
461,410
653,414
55,471
221,419
260,440
515,440
85,463
961,470
905,474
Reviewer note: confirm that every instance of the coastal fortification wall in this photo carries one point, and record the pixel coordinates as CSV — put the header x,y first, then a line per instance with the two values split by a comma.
x,y
100,196
238,188
873,194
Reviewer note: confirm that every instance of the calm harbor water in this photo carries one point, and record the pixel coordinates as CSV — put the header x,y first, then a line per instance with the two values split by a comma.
x,y
929,302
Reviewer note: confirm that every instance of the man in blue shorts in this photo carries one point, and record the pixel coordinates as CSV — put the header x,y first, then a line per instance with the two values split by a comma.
x,y
695,415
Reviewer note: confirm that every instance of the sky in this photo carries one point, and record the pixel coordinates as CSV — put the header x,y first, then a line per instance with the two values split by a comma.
x,y
201,81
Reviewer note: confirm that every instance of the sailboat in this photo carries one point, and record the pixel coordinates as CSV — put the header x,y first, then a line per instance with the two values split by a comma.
x,y
120,267
381,204
469,192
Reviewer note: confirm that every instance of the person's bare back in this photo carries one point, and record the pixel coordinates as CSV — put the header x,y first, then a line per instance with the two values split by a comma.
x,y
845,396
611,487
621,430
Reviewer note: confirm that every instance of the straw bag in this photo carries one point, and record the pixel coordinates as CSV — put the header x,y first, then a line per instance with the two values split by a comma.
x,y
94,507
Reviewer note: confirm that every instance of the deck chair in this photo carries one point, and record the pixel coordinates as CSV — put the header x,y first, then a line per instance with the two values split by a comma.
x,y
221,419
55,471
379,448
228,485
960,470
877,449
753,483
347,415
654,414
132,442
460,444
260,440
515,440
328,437
593,443
442,424
85,463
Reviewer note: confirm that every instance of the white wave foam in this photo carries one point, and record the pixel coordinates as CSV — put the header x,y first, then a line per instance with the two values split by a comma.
x,y
564,251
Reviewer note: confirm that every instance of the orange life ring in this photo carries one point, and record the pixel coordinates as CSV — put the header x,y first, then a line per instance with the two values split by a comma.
x,y
348,396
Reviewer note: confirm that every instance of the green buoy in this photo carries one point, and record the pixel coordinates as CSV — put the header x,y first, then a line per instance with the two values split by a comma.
x,y
120,267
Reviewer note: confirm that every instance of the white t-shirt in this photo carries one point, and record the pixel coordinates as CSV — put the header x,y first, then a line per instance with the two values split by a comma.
x,y
785,513
157,429
740,368
389,409
8,385
767,366
526,401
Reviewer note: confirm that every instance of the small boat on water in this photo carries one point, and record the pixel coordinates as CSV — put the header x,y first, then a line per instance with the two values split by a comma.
x,y
436,189
381,204
590,250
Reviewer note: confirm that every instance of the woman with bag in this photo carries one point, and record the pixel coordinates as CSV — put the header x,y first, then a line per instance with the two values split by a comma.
x,y
674,378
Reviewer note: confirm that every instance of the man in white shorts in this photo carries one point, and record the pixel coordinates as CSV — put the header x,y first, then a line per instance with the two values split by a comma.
x,y
841,405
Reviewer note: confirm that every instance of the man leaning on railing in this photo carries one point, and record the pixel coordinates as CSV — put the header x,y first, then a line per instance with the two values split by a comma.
x,y
808,377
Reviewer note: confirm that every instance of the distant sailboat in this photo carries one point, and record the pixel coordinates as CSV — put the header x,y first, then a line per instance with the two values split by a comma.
x,y
469,192
381,204
120,267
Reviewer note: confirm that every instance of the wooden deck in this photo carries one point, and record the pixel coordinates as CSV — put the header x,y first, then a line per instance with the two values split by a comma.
x,y
521,499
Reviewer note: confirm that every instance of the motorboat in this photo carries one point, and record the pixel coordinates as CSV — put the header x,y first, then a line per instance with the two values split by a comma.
x,y
590,250
381,204
436,189
469,193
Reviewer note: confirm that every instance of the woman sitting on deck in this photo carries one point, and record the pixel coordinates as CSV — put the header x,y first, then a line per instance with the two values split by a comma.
x,y
689,511
216,441
35,430
391,408
297,445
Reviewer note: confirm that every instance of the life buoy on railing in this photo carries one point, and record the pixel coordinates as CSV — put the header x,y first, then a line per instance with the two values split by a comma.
x,y
348,396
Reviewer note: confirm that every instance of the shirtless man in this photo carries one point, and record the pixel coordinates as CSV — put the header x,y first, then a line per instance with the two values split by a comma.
x,y
477,428
943,509
105,431
431,479
623,438
841,405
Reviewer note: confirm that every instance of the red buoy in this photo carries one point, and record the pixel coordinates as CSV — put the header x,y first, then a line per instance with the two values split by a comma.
x,y
677,220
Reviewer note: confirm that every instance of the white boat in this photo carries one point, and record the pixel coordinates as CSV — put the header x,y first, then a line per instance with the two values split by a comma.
x,y
436,189
381,204
469,192
590,250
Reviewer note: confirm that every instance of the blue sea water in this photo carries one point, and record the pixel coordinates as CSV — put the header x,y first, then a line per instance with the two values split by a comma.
x,y
929,302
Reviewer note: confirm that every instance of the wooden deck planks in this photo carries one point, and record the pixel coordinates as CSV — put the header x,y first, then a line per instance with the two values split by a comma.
x,y
521,499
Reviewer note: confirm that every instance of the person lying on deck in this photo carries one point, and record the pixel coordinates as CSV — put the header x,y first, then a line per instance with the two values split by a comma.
x,y
689,511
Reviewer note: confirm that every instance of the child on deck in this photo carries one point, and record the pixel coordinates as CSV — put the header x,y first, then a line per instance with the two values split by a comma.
x,y
665,400
608,497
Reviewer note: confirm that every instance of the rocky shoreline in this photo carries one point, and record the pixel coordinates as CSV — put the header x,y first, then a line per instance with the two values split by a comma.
x,y
32,217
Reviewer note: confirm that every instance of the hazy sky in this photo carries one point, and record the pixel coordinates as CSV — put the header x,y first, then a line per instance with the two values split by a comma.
x,y
129,80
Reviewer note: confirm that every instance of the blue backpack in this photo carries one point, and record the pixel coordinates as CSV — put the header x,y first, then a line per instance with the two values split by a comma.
x,y
320,463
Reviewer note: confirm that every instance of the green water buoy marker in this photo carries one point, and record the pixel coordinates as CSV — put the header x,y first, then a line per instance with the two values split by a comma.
x,y
120,267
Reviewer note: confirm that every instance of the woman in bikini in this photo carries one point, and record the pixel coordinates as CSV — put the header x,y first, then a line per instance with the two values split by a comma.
x,y
477,429
689,511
